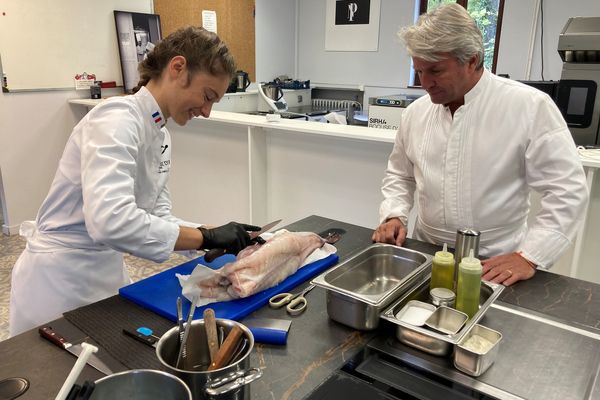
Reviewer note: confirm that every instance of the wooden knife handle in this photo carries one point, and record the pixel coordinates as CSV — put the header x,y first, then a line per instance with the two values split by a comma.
x,y
210,324
226,351
48,333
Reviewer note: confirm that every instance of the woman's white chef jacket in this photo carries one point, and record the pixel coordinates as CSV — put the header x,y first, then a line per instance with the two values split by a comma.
x,y
109,196
476,171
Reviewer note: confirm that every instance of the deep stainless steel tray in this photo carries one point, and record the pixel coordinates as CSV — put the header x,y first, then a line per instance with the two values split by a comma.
x,y
426,339
361,287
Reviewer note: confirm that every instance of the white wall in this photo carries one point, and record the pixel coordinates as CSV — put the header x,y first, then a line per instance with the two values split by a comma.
x,y
34,129
275,27
388,67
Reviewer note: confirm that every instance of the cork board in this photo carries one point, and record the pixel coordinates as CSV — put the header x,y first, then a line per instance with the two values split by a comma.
x,y
235,24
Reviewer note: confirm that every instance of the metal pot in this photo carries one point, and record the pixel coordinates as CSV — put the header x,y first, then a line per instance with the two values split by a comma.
x,y
272,91
141,384
229,382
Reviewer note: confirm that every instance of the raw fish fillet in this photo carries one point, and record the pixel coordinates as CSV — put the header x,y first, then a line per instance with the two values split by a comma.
x,y
260,267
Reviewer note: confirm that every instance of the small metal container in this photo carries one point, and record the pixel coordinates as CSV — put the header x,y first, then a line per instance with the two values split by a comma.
x,y
447,320
416,312
442,297
473,362
361,287
427,339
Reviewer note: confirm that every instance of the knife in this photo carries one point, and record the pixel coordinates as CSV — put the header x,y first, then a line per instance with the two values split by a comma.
x,y
143,335
210,255
48,333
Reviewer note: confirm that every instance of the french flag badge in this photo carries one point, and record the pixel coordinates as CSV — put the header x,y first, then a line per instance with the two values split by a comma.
x,y
158,119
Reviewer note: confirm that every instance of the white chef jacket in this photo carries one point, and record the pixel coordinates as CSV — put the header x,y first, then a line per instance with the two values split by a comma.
x,y
109,196
476,169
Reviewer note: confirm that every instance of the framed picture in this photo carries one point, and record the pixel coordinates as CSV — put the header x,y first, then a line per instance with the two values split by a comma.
x,y
352,25
137,33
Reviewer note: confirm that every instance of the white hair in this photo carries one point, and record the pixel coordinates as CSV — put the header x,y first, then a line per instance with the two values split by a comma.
x,y
446,29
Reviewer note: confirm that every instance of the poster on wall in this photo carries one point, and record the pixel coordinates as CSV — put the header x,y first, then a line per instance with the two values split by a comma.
x,y
352,25
137,33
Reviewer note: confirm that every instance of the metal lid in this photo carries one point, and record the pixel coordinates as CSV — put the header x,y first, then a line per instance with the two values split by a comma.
x,y
441,296
442,293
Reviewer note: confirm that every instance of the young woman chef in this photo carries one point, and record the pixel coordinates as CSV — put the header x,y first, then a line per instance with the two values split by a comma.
x,y
109,195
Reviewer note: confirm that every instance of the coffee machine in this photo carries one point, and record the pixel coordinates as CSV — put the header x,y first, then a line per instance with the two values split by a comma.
x,y
578,95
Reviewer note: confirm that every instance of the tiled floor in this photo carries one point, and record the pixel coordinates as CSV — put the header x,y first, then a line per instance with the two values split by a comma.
x,y
12,246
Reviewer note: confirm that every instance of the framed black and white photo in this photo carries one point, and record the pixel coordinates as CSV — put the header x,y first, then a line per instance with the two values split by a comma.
x,y
352,25
137,34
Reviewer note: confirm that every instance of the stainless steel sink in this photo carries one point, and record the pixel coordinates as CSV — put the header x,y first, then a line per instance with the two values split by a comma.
x,y
359,288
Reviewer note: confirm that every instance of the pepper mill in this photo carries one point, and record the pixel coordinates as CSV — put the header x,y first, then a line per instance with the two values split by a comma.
x,y
467,239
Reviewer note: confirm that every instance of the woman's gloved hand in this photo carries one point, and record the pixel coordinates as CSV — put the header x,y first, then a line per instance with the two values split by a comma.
x,y
232,237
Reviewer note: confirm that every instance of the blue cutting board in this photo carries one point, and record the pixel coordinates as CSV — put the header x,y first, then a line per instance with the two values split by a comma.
x,y
159,292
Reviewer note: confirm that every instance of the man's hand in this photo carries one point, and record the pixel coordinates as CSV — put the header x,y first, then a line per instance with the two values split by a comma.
x,y
507,269
391,231
232,237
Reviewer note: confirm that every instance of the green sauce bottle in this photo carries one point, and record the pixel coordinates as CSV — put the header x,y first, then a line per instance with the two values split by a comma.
x,y
442,270
468,287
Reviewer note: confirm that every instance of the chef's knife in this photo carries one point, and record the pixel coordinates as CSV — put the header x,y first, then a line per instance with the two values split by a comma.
x,y
210,255
48,333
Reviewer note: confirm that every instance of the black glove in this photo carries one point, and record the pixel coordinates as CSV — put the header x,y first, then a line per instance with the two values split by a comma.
x,y
232,237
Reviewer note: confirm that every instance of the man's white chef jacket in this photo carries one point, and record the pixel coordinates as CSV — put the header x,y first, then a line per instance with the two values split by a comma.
x,y
476,169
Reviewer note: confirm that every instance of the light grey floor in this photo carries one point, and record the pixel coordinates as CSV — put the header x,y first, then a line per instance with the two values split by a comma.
x,y
12,246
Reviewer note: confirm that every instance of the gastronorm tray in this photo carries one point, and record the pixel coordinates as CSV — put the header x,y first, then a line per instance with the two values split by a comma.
x,y
426,339
359,289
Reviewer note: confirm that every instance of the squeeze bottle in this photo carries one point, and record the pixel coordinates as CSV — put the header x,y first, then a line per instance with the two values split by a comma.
x,y
442,270
468,287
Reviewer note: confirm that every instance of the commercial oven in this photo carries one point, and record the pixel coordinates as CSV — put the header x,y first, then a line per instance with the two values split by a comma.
x,y
578,96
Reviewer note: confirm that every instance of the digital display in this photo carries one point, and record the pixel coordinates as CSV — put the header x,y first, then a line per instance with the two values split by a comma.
x,y
577,97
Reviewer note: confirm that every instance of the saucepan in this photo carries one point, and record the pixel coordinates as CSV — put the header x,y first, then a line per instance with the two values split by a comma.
x,y
228,382
141,384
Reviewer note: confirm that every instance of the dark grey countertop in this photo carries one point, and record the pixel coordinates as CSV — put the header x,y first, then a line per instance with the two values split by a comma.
x,y
316,347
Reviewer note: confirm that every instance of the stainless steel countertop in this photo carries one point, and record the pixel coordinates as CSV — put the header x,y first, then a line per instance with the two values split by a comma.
x,y
538,358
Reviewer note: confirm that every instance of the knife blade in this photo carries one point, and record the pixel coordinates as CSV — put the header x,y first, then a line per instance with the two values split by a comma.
x,y
55,338
211,254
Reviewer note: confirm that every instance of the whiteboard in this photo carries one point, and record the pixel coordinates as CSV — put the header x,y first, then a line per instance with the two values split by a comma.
x,y
45,43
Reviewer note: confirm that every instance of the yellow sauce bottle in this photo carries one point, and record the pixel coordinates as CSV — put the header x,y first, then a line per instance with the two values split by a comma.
x,y
468,287
442,270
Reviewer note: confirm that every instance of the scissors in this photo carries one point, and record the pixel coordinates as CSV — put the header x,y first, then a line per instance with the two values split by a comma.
x,y
296,303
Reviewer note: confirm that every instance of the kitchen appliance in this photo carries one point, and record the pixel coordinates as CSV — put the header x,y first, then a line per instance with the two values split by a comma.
x,y
578,97
271,98
385,111
243,81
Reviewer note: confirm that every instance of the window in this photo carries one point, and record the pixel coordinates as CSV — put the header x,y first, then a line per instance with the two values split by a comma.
x,y
488,16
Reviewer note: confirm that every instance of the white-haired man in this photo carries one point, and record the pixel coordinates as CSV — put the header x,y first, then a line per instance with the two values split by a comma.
x,y
473,149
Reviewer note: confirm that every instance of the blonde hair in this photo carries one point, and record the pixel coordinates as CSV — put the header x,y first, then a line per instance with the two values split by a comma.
x,y
446,29
203,51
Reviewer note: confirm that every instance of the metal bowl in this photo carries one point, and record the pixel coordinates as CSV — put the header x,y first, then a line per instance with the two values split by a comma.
x,y
474,362
362,286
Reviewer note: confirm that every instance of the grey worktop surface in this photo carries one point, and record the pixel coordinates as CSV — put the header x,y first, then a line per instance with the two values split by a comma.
x,y
318,346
